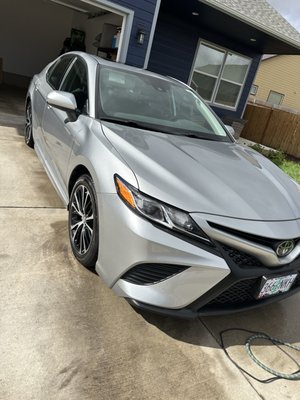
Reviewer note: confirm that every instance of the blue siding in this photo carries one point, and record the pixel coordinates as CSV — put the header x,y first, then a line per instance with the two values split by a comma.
x,y
174,47
143,17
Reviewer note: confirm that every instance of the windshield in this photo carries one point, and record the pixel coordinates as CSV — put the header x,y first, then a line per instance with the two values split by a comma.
x,y
156,103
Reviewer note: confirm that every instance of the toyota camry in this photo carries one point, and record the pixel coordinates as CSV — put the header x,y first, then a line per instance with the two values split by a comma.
x,y
163,204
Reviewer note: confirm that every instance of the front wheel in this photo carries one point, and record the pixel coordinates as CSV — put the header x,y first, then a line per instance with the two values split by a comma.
x,y
83,222
28,126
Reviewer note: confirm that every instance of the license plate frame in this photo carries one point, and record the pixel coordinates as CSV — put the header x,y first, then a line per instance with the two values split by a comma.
x,y
272,286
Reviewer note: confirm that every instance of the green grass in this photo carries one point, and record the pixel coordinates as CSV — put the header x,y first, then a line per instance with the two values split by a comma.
x,y
291,168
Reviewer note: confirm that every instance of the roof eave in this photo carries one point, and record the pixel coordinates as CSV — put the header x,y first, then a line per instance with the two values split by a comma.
x,y
251,22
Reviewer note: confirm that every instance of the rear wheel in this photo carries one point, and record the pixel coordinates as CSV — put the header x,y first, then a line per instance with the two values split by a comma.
x,y
28,126
83,222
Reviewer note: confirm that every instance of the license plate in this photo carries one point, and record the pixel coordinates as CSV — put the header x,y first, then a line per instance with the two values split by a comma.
x,y
272,286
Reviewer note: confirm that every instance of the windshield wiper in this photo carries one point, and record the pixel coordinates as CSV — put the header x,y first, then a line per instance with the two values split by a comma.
x,y
134,124
126,122
192,135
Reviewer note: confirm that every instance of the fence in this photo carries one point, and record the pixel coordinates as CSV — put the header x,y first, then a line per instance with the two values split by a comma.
x,y
273,127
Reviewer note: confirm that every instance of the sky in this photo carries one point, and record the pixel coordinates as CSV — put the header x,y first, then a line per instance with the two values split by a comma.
x,y
290,9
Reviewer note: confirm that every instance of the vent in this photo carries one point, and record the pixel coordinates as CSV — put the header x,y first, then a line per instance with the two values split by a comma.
x,y
241,293
147,274
240,258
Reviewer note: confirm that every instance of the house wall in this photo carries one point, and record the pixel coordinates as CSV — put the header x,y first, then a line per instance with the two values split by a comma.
x,y
280,74
174,47
143,18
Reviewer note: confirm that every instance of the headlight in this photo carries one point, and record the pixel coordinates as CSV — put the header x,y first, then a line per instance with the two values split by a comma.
x,y
158,212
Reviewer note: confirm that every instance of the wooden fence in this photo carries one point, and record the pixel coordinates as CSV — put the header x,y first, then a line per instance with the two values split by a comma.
x,y
273,127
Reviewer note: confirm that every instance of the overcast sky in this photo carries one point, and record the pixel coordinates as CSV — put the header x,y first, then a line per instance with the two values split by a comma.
x,y
290,9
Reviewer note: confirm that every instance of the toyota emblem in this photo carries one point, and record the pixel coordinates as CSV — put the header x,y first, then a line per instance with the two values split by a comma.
x,y
284,248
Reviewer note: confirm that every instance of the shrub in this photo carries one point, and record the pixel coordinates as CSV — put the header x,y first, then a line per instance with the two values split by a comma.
x,y
277,157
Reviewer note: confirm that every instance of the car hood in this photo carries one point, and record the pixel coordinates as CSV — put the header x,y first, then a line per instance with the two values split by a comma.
x,y
206,176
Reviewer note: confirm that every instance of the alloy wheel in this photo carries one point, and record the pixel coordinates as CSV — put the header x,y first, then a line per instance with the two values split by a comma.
x,y
28,126
81,220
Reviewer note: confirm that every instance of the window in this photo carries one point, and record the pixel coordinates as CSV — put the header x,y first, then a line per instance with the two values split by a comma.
x,y
76,83
275,98
56,72
219,75
253,90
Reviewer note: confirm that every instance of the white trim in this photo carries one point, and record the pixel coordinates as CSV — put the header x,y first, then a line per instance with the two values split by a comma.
x,y
219,78
127,23
152,31
69,5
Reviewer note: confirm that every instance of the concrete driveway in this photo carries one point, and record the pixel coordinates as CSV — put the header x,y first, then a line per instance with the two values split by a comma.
x,y
64,335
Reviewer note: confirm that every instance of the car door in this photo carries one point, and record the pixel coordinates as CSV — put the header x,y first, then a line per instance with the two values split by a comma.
x,y
42,87
58,129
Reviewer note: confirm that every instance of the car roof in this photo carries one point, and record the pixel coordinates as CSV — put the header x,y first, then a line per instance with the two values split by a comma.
x,y
112,64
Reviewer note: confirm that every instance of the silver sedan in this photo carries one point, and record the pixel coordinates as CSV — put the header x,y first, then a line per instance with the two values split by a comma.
x,y
172,213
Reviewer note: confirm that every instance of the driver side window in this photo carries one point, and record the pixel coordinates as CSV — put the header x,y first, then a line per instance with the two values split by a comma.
x,y
56,72
76,82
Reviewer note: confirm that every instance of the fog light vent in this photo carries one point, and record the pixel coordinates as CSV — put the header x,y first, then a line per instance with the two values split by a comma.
x,y
147,274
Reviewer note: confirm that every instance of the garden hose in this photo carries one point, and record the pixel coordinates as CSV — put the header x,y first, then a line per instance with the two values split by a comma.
x,y
277,342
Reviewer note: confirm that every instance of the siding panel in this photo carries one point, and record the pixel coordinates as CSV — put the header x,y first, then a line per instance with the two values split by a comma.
x,y
280,74
174,47
143,18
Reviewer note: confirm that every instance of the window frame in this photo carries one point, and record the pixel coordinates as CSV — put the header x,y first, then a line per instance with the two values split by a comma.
x,y
68,70
54,64
75,57
219,78
253,92
281,101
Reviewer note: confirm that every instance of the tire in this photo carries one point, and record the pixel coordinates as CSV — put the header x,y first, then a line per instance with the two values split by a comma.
x,y
83,222
28,126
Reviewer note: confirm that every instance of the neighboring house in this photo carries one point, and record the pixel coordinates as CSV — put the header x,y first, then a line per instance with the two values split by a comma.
x,y
277,81
213,45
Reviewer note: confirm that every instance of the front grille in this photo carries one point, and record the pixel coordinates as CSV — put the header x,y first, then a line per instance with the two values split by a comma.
x,y
241,292
272,243
146,274
240,258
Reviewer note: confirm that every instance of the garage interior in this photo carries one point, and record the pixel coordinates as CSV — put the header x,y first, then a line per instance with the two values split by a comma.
x,y
32,34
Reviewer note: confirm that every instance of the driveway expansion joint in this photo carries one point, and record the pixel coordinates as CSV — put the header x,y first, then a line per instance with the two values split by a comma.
x,y
219,344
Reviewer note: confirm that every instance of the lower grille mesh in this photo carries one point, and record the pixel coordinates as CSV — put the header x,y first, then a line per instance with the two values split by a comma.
x,y
146,274
241,293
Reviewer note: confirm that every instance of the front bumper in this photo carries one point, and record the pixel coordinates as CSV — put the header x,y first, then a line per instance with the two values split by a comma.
x,y
127,240
211,282
230,295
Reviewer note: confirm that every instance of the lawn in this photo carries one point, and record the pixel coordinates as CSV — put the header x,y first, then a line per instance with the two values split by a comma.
x,y
291,168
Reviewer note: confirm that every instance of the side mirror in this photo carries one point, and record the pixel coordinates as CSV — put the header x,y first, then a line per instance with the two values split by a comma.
x,y
64,101
231,130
